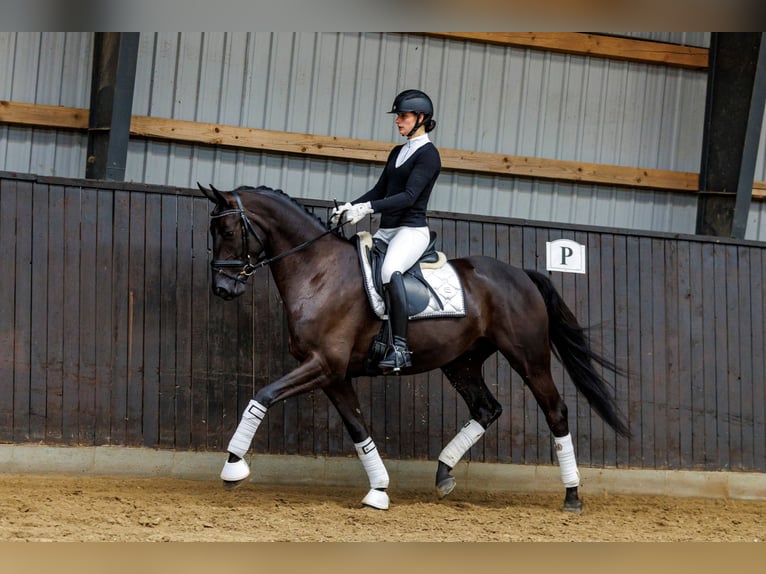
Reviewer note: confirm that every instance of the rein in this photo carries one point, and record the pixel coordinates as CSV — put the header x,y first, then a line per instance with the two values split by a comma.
x,y
246,267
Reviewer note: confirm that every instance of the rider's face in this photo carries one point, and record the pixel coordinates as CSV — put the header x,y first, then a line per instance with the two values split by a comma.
x,y
405,121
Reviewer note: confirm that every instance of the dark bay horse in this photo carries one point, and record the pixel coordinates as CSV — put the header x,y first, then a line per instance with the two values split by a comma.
x,y
331,327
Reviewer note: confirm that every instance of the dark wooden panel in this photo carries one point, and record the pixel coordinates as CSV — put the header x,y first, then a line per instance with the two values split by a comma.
x,y
104,301
201,294
647,396
582,412
22,313
8,286
38,349
183,326
734,371
685,366
710,296
658,357
742,454
168,317
136,316
121,312
621,338
54,372
697,332
595,321
607,347
71,316
89,328
671,382
722,348
634,321
151,305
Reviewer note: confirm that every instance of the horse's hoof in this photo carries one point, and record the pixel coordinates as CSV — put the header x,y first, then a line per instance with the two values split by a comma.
x,y
446,486
235,472
377,499
573,506
232,484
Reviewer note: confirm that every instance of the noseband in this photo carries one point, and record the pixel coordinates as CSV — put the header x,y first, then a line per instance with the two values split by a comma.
x,y
245,264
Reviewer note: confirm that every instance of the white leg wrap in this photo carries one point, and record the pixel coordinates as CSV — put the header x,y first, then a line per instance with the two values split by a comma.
x,y
570,476
468,436
372,463
243,437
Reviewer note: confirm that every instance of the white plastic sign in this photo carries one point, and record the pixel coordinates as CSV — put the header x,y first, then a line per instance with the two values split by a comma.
x,y
565,255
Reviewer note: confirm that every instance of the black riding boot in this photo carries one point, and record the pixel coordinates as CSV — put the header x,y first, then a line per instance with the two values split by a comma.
x,y
398,355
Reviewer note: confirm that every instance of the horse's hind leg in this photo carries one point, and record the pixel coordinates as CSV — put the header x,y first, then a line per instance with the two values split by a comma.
x,y
550,402
345,400
464,373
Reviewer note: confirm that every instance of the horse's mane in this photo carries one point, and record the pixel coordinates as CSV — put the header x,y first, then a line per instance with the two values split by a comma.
x,y
262,188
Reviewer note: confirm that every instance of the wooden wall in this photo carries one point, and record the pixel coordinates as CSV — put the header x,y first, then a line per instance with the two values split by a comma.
x,y
109,334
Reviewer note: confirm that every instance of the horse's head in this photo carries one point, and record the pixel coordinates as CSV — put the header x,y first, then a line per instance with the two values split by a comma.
x,y
237,243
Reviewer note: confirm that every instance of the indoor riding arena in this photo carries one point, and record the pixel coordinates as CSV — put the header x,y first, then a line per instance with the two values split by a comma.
x,y
605,163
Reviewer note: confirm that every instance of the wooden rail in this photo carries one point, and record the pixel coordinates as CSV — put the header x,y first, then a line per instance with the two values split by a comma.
x,y
58,117
593,45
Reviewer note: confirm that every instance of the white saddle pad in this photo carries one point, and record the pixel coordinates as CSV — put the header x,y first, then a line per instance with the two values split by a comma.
x,y
441,276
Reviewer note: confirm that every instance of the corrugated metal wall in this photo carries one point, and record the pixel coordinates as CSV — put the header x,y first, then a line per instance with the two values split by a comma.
x,y
51,68
110,335
488,98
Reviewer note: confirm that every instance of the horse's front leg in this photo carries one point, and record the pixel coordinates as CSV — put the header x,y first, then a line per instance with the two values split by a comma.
x,y
309,375
343,396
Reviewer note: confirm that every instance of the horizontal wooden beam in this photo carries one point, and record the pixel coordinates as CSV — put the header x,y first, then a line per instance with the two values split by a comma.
x,y
35,115
598,45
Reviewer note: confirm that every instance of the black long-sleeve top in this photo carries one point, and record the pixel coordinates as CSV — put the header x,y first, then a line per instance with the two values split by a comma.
x,y
401,194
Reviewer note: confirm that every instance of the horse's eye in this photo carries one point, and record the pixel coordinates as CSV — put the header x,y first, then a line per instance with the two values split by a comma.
x,y
228,234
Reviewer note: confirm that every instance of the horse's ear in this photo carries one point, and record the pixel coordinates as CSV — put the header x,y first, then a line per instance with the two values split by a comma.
x,y
213,194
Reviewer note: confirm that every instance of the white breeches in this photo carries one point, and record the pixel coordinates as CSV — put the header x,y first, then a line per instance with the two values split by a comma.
x,y
405,246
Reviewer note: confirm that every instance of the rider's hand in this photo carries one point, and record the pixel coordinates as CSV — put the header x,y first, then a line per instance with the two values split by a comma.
x,y
338,212
358,212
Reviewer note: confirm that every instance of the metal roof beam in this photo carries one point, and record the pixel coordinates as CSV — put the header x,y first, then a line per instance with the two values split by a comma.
x,y
736,96
111,102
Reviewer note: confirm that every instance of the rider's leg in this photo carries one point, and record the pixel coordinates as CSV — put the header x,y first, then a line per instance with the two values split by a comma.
x,y
405,246
398,355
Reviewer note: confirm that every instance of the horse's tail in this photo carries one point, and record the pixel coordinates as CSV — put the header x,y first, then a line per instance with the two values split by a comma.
x,y
572,348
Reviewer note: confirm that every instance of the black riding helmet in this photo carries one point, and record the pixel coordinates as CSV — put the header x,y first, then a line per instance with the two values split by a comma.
x,y
418,103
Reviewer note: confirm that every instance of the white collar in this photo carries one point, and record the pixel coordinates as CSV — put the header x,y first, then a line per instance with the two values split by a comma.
x,y
418,141
410,147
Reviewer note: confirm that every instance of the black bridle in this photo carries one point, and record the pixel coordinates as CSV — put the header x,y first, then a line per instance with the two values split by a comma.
x,y
245,264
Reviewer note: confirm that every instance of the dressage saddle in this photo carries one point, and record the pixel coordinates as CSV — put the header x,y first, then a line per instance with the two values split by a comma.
x,y
418,289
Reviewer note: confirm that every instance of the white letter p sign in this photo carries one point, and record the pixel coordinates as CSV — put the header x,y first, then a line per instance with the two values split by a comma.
x,y
565,255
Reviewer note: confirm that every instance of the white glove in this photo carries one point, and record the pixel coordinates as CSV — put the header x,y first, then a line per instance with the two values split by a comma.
x,y
357,212
338,212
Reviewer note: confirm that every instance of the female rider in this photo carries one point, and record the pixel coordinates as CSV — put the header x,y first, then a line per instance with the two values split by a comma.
x,y
401,197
